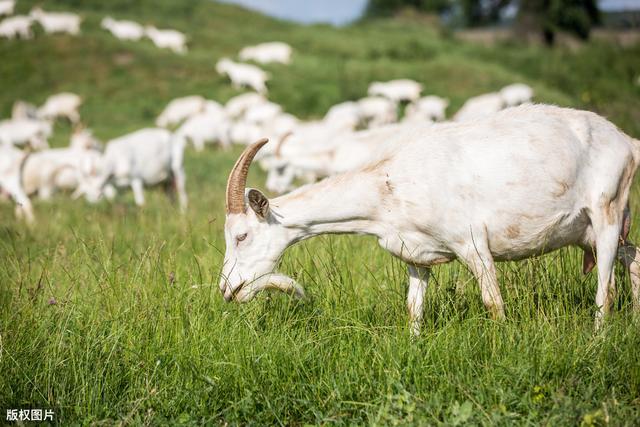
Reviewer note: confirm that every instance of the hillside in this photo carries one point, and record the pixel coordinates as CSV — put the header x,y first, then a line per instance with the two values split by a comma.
x,y
127,83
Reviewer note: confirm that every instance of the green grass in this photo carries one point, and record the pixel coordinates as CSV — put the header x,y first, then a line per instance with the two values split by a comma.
x,y
111,314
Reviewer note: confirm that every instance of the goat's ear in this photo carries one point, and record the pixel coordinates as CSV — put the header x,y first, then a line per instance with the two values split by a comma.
x,y
259,203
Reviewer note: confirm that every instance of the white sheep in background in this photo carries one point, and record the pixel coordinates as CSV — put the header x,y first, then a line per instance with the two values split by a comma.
x,y
377,111
24,110
236,106
34,133
146,157
526,181
167,39
262,113
7,7
396,90
348,151
344,115
83,139
243,75
209,126
480,106
46,171
63,104
123,29
516,94
265,53
57,22
11,166
429,109
180,109
16,27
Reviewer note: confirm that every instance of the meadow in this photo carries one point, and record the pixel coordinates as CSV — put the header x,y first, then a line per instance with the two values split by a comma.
x,y
111,314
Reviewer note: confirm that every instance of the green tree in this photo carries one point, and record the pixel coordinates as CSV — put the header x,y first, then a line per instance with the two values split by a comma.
x,y
547,17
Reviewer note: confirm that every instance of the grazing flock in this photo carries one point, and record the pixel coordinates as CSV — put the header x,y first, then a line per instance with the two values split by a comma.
x,y
502,180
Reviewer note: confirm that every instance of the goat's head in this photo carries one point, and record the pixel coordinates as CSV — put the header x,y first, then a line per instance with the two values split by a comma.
x,y
254,237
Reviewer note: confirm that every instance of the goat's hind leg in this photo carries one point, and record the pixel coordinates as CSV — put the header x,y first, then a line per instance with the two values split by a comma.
x,y
629,256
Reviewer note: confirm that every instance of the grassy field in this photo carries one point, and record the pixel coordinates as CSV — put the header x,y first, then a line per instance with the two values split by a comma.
x,y
111,314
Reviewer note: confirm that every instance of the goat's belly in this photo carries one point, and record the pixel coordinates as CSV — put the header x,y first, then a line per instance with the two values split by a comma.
x,y
514,241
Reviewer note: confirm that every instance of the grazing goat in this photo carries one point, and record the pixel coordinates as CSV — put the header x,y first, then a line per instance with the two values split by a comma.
x,y
180,109
7,7
210,125
57,22
123,30
243,75
145,157
11,165
377,111
455,191
64,104
396,90
167,39
516,94
24,110
429,109
236,106
33,133
16,27
265,53
345,115
46,171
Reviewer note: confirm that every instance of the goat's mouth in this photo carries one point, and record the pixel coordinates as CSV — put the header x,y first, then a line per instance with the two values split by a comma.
x,y
233,293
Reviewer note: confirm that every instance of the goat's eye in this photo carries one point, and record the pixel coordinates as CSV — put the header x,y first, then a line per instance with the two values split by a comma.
x,y
241,237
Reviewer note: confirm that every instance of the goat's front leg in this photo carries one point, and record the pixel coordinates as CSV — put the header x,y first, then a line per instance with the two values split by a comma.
x,y
138,191
418,279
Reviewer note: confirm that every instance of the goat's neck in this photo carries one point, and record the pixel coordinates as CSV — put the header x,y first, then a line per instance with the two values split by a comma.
x,y
345,203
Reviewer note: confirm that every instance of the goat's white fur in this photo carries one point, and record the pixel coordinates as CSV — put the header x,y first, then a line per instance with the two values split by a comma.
x,y
265,53
123,29
396,90
64,104
167,39
18,26
243,75
57,22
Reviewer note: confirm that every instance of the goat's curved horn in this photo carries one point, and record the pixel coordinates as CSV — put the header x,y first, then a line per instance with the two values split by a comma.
x,y
238,178
284,137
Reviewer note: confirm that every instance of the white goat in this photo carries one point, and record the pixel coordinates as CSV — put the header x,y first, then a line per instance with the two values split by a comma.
x,y
11,165
24,110
236,106
167,39
180,109
210,125
396,90
516,94
83,139
46,171
7,7
63,104
483,207
480,106
429,109
18,26
262,113
57,22
243,75
123,29
346,115
34,133
265,53
145,157
377,111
